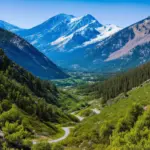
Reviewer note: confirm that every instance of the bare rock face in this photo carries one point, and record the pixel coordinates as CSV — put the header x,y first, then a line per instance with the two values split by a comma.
x,y
128,48
141,36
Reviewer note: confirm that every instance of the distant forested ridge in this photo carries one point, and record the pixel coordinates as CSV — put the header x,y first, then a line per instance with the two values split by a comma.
x,y
120,83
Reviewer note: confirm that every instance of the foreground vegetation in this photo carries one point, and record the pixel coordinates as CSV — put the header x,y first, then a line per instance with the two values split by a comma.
x,y
124,119
34,109
29,107
124,124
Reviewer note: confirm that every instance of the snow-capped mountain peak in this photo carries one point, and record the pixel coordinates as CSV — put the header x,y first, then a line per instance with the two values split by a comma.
x,y
78,22
64,34
92,35
83,27
63,30
60,17
75,19
87,17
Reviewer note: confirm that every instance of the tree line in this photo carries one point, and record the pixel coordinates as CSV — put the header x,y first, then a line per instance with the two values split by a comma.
x,y
121,83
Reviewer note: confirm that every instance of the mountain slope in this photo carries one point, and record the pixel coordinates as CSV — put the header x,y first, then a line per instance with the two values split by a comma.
x,y
28,57
126,49
28,106
125,110
62,32
117,126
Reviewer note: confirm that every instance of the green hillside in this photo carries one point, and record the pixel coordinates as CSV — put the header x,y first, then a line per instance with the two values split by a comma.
x,y
123,124
120,83
29,107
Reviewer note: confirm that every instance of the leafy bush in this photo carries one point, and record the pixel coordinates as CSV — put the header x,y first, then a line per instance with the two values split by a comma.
x,y
57,147
41,146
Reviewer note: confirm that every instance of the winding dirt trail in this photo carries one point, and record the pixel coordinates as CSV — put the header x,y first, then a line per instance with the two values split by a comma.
x,y
67,129
67,132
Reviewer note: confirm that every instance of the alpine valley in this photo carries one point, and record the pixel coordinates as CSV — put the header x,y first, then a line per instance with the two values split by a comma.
x,y
102,102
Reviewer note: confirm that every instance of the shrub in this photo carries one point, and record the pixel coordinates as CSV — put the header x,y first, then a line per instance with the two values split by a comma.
x,y
41,146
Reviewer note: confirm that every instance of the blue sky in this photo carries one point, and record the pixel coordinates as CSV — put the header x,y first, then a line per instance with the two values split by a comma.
x,y
27,13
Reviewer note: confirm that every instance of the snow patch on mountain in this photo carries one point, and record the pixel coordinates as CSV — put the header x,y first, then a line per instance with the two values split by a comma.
x,y
75,19
105,31
61,40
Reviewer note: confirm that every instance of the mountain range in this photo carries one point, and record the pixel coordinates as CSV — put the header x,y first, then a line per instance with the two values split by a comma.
x,y
62,35
82,43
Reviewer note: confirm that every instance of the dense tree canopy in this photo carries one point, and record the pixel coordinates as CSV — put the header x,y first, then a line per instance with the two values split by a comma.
x,y
121,83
